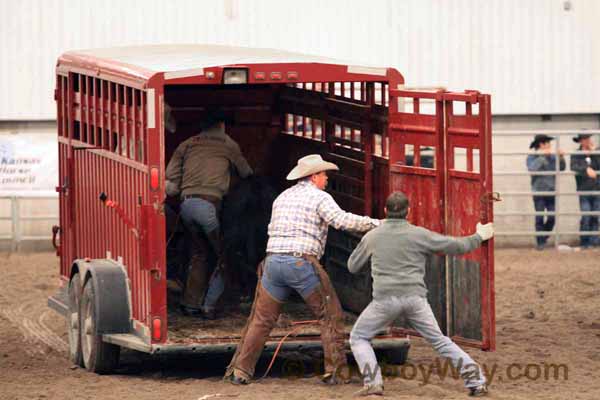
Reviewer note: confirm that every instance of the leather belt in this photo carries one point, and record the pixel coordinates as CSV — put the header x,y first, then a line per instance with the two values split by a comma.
x,y
206,197
296,254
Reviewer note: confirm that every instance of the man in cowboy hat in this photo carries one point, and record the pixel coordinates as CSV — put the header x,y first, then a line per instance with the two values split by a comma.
x,y
543,161
586,166
297,237
199,172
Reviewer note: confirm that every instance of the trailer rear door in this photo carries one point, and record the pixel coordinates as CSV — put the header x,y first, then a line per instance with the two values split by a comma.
x,y
440,156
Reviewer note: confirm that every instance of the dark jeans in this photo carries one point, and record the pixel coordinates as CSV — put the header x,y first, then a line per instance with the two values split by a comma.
x,y
589,222
544,203
200,216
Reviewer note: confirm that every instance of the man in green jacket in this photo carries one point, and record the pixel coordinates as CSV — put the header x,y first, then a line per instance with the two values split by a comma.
x,y
398,252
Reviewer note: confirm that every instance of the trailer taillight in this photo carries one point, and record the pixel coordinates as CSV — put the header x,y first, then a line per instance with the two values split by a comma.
x,y
154,181
156,329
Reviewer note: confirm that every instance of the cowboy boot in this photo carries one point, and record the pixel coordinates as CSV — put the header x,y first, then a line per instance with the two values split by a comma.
x,y
197,277
216,242
216,283
332,334
264,315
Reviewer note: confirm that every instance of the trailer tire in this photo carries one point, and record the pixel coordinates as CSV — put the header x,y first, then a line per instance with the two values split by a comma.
x,y
98,356
74,320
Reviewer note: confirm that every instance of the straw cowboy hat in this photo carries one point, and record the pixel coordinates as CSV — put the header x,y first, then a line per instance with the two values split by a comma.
x,y
308,165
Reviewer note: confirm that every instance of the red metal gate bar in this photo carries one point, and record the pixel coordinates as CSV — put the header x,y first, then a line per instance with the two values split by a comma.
x,y
118,120
109,116
487,209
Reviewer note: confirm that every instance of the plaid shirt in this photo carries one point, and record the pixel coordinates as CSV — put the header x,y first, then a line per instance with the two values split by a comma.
x,y
301,216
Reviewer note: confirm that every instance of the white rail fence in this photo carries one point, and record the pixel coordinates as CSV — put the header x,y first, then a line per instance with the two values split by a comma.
x,y
17,237
16,218
559,230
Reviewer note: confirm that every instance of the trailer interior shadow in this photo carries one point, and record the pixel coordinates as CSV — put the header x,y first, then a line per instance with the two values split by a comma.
x,y
263,121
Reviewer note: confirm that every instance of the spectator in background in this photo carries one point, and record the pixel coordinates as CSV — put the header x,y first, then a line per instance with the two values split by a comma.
x,y
543,161
586,167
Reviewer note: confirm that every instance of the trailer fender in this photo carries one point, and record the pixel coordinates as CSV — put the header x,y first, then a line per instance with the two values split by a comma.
x,y
111,299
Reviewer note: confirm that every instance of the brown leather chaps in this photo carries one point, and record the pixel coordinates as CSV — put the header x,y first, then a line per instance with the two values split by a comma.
x,y
324,304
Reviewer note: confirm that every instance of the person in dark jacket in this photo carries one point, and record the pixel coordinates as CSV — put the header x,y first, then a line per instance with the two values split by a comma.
x,y
543,161
200,173
586,167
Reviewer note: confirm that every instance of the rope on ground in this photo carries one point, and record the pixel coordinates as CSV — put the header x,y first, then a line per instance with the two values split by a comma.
x,y
300,325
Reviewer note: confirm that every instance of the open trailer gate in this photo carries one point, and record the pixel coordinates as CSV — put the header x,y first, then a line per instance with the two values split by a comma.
x,y
413,141
469,199
449,193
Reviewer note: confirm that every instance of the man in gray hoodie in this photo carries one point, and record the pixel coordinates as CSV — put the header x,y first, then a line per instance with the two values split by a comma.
x,y
398,252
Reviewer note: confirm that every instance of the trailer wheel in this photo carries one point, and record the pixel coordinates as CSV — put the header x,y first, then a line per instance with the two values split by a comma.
x,y
73,318
98,356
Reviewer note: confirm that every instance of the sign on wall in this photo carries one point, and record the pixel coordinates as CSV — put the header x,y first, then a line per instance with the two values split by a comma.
x,y
28,164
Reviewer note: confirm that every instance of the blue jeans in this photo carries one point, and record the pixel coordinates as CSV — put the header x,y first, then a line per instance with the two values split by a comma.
x,y
589,222
200,216
544,203
379,314
283,273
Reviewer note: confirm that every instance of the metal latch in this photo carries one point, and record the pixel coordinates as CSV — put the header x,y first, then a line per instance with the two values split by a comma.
x,y
490,197
120,212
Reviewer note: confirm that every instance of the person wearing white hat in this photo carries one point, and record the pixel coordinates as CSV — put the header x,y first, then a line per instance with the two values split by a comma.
x,y
297,237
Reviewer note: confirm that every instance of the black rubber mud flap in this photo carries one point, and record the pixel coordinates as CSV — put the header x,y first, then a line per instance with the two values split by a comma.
x,y
111,296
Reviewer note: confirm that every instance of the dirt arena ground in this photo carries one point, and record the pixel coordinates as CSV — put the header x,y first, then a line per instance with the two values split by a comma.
x,y
548,344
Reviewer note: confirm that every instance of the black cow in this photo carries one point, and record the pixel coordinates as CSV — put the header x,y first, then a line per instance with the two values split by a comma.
x,y
245,218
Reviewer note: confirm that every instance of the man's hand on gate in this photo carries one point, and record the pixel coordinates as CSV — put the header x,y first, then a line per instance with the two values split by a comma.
x,y
485,231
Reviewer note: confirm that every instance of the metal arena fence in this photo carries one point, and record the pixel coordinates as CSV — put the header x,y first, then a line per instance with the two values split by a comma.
x,y
17,219
561,136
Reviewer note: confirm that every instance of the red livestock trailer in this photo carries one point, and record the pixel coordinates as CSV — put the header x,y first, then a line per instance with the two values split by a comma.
x,y
113,149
